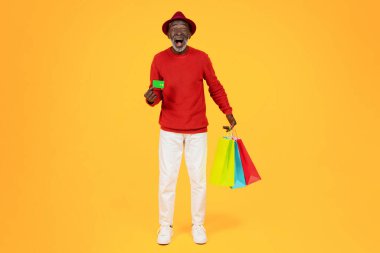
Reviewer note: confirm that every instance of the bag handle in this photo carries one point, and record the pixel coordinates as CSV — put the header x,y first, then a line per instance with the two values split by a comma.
x,y
229,134
232,134
234,131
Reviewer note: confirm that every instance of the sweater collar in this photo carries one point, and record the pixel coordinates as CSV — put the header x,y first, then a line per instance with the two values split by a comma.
x,y
187,52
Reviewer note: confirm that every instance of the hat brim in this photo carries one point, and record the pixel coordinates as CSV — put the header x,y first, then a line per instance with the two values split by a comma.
x,y
193,27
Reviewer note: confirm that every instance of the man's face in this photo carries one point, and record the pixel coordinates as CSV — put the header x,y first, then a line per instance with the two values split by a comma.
x,y
179,34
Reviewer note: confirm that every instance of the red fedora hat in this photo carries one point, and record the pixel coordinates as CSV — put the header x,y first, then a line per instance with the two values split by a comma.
x,y
179,16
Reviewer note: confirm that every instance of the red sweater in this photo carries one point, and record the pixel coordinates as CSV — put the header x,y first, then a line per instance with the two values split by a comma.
x,y
183,108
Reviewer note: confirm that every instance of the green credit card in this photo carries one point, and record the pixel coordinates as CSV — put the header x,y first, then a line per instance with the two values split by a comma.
x,y
158,84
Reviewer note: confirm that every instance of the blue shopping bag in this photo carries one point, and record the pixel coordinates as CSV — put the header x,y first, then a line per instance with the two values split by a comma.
x,y
239,173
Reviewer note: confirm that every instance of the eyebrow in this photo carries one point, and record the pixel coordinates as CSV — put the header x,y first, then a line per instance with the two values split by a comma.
x,y
180,27
184,24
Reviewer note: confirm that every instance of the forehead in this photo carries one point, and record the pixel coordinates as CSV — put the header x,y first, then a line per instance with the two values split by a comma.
x,y
178,23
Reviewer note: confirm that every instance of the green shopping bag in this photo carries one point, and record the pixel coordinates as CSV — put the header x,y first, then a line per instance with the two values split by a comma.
x,y
223,169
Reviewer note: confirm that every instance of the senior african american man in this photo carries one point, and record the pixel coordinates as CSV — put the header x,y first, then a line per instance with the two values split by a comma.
x,y
183,122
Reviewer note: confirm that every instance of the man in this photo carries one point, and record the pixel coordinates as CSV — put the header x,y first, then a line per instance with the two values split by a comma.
x,y
183,121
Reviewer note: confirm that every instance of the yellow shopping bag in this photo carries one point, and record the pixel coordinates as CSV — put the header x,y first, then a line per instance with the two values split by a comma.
x,y
223,170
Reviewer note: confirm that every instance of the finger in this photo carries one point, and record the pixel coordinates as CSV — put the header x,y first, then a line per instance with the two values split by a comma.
x,y
149,93
227,128
150,90
152,97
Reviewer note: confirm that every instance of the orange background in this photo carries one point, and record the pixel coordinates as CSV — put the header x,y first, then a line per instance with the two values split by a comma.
x,y
79,146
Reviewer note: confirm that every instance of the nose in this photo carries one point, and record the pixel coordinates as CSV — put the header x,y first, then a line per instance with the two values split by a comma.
x,y
179,32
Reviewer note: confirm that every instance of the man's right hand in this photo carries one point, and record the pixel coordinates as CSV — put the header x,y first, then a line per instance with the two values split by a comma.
x,y
150,95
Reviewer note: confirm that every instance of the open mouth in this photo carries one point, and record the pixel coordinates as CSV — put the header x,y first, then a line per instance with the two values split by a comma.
x,y
178,42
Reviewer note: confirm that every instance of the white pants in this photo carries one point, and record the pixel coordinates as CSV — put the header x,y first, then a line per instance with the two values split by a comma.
x,y
171,147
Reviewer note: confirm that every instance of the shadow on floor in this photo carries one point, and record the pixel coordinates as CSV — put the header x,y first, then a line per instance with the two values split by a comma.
x,y
214,223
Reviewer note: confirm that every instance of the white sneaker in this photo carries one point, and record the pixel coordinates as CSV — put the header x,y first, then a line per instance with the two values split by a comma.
x,y
199,234
164,235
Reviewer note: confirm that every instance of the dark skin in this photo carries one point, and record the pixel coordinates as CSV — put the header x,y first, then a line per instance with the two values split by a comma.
x,y
179,29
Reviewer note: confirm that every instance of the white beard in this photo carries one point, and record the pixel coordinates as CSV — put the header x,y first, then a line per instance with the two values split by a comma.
x,y
177,49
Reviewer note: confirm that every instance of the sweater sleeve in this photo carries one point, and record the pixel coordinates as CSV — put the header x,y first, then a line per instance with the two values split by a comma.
x,y
155,75
216,89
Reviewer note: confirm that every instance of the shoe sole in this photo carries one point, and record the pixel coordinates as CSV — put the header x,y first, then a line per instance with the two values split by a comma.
x,y
200,243
163,244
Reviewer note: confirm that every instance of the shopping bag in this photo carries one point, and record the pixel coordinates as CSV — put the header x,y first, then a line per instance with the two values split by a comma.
x,y
250,173
222,171
239,173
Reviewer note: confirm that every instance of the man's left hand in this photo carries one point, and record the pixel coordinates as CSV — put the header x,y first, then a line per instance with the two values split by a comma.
x,y
232,122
